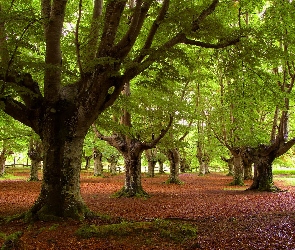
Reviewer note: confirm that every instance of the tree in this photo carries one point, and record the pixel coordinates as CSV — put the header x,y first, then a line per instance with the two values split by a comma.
x,y
35,154
60,101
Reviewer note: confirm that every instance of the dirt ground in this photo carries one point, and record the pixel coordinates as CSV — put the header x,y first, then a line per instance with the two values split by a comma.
x,y
226,217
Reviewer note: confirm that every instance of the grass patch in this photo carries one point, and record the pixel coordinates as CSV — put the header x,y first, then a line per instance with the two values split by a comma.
x,y
11,241
8,176
283,171
172,231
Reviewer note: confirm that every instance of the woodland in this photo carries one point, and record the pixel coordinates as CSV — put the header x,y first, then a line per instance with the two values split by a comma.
x,y
145,92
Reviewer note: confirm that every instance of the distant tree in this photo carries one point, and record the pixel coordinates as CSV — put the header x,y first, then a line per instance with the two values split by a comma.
x,y
35,154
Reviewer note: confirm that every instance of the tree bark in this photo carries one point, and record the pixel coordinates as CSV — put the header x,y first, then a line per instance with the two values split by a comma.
x,y
35,154
238,178
161,166
62,143
248,175
113,161
173,157
132,163
230,165
151,156
263,177
98,167
2,162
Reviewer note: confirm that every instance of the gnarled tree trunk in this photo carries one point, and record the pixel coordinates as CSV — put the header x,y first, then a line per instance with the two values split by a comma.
x,y
35,154
263,177
97,157
238,178
132,163
113,161
173,157
60,192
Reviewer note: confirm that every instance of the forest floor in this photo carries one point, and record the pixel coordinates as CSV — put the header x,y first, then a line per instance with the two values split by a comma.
x,y
225,217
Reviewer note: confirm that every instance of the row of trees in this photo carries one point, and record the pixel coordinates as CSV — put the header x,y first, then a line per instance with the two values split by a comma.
x,y
145,73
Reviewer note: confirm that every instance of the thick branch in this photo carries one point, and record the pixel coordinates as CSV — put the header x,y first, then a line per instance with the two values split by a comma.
x,y
94,29
159,137
18,111
77,43
113,15
125,45
285,147
27,88
4,55
53,32
206,12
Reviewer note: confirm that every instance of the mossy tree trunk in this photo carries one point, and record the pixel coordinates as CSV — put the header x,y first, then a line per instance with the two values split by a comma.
x,y
248,173
184,166
174,160
87,159
35,154
161,166
230,165
113,161
263,177
132,163
60,192
238,178
98,167
151,156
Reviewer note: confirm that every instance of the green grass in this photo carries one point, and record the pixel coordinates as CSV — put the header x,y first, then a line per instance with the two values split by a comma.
x,y
170,230
283,171
286,175
9,176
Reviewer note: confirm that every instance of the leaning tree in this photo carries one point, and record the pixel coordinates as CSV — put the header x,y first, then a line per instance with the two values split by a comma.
x,y
64,62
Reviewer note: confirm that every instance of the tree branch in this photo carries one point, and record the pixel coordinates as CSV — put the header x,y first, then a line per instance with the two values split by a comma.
x,y
159,137
54,14
154,28
77,43
206,12
286,146
114,11
124,46
18,111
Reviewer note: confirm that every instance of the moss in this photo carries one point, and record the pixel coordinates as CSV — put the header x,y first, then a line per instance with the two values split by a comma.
x,y
176,231
174,181
172,231
45,214
14,217
11,241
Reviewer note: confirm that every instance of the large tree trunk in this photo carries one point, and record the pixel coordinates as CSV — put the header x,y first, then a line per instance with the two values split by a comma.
x,y
35,165
263,178
173,157
248,171
97,157
60,192
230,165
132,162
238,178
152,160
161,166
113,161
